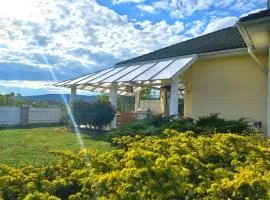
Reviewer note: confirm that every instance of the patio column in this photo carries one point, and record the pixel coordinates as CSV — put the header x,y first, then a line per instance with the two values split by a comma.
x,y
268,96
137,101
174,96
73,94
113,101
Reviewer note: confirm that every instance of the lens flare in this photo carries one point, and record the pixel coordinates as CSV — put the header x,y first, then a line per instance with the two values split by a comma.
x,y
68,107
69,110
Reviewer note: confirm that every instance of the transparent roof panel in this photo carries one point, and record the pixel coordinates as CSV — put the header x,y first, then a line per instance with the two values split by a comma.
x,y
96,75
89,88
120,74
107,75
106,85
62,83
80,86
154,72
136,72
148,74
173,68
79,79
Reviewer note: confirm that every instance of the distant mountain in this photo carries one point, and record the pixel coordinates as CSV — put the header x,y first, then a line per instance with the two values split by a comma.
x,y
58,98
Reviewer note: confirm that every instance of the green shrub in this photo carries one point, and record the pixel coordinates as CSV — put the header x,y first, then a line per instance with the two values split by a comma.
x,y
206,125
221,125
154,125
179,166
96,114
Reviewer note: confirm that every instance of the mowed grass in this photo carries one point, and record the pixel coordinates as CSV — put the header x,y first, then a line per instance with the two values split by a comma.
x,y
32,145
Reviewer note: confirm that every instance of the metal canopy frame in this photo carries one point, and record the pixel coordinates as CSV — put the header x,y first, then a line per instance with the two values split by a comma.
x,y
152,74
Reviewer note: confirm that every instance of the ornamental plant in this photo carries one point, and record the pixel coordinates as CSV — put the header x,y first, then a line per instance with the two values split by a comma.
x,y
95,114
177,166
205,125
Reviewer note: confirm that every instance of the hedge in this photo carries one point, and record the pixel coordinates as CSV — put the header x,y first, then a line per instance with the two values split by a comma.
x,y
179,166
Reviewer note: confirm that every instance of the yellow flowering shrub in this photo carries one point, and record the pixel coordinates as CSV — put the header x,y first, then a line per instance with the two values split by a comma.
x,y
178,166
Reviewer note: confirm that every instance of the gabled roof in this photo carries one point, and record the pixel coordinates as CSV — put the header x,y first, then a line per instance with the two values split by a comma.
x,y
255,16
228,38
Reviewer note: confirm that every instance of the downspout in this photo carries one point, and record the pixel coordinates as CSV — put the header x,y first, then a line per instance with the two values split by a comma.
x,y
251,53
266,69
250,45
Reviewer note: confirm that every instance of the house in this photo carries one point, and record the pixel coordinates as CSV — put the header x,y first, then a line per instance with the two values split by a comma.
x,y
224,72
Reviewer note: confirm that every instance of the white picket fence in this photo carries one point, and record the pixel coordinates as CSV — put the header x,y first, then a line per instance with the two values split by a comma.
x,y
44,115
13,116
10,116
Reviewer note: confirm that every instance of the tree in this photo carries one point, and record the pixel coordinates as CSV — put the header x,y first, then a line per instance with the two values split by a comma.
x,y
17,100
8,99
95,114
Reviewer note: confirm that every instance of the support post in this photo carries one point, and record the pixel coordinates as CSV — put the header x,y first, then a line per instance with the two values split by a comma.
x,y
268,96
73,91
73,95
174,96
113,101
163,101
24,116
137,101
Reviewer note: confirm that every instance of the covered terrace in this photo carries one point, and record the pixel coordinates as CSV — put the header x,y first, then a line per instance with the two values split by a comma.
x,y
130,79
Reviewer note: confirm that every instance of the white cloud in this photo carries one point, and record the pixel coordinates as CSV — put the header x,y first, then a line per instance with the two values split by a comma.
x,y
27,84
79,31
36,86
197,28
176,28
176,14
162,27
225,3
245,5
127,1
183,8
13,8
147,8
220,23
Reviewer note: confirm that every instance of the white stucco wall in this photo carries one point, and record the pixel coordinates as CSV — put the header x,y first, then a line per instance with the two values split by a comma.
x,y
153,105
233,86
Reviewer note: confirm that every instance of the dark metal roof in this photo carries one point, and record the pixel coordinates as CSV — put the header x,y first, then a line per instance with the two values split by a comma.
x,y
254,16
228,38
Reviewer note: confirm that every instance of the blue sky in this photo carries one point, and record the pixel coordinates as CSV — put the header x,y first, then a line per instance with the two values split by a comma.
x,y
50,40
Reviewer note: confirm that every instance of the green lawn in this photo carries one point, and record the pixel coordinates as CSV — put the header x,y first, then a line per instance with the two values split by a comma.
x,y
31,145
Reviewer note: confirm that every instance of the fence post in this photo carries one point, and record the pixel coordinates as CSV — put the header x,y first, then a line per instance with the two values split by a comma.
x,y
24,116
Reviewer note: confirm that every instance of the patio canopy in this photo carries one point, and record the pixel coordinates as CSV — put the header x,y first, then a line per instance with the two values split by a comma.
x,y
153,74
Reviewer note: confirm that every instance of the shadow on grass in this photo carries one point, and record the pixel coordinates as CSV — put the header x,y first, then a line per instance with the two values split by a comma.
x,y
92,134
86,133
31,126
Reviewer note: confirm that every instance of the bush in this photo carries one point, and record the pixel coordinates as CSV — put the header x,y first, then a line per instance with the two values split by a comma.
x,y
221,125
206,125
97,114
154,125
179,166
